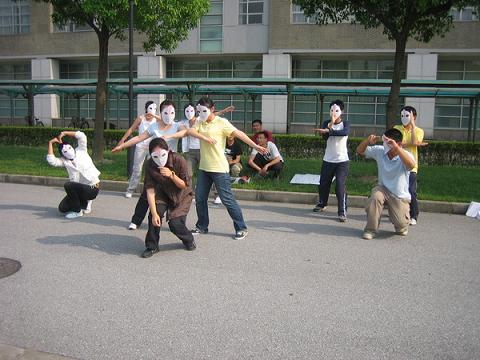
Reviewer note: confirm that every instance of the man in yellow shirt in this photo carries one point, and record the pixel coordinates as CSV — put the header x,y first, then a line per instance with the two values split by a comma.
x,y
412,139
214,167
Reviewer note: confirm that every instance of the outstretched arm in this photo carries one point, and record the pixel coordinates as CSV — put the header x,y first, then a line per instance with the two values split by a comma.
x,y
242,136
130,130
135,140
156,220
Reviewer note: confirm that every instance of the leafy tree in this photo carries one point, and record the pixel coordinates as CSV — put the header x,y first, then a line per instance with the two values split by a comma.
x,y
162,23
400,19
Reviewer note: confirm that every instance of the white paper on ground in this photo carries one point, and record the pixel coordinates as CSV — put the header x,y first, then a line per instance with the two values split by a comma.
x,y
474,210
309,179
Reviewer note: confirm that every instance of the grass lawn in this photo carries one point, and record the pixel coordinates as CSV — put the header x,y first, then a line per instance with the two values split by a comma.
x,y
434,182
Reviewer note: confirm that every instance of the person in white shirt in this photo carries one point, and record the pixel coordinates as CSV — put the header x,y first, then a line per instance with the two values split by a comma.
x,y
141,123
268,164
394,166
84,183
335,161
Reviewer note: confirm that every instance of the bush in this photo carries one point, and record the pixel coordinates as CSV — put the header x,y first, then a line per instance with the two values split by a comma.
x,y
291,146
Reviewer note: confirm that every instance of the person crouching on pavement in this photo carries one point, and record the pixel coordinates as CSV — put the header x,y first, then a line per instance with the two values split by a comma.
x,y
84,183
394,165
168,186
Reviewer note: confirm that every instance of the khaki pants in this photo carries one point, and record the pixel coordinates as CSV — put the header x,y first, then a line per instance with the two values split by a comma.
x,y
398,209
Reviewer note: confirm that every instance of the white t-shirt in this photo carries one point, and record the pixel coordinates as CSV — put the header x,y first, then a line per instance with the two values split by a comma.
x,y
189,142
155,132
336,150
144,125
271,154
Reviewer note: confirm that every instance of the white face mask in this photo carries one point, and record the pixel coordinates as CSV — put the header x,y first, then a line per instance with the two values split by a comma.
x,y
386,146
406,117
203,112
335,111
160,157
189,112
152,109
168,114
68,152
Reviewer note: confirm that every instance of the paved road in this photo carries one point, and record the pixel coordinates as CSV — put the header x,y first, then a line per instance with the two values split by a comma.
x,y
301,286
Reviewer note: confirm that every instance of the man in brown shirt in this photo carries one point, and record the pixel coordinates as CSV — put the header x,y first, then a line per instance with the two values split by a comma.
x,y
168,186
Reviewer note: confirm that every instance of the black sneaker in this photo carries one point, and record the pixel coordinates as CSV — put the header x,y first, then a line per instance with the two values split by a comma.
x,y
149,252
240,235
342,218
191,246
319,208
198,231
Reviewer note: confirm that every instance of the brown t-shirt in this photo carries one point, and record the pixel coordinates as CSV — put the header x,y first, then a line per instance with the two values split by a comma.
x,y
178,200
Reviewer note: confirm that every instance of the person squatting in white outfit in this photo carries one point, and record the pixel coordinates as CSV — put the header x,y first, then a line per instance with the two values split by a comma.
x,y
84,183
141,123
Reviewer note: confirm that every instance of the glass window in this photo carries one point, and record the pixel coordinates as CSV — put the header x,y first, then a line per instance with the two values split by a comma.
x,y
452,113
14,17
14,71
70,26
469,13
211,31
250,12
298,16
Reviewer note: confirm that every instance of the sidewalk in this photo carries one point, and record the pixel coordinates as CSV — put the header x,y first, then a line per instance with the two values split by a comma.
x,y
8,352
441,207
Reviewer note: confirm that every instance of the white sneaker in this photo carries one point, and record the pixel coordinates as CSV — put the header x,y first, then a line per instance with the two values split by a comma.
x,y
73,214
88,210
217,200
128,195
413,222
132,226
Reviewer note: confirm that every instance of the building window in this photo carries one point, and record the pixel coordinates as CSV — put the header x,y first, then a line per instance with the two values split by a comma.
x,y
214,69
88,70
451,113
14,17
250,12
458,70
298,16
19,71
70,26
469,13
211,33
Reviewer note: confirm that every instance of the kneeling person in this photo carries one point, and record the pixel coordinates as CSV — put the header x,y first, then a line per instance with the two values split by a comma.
x,y
84,182
270,163
168,186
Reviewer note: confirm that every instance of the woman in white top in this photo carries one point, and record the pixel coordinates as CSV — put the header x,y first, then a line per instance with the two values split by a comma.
x,y
141,123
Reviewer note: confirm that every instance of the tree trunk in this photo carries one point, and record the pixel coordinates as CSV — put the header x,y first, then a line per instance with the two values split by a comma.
x,y
392,104
101,96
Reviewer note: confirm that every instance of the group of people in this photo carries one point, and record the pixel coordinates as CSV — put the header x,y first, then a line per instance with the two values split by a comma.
x,y
209,142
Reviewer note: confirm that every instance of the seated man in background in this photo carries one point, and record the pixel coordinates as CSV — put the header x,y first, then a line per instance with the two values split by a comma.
x,y
233,152
268,164
257,128
394,165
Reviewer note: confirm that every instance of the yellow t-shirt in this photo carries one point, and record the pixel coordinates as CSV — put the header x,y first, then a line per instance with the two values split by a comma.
x,y
212,157
407,139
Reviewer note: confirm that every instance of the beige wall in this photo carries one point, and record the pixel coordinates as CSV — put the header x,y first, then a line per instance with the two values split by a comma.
x,y
284,35
41,42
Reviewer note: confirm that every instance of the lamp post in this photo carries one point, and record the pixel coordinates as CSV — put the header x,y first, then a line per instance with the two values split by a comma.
x,y
130,151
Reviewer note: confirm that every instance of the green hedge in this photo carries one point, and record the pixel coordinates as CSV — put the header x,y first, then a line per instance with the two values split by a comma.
x,y
291,146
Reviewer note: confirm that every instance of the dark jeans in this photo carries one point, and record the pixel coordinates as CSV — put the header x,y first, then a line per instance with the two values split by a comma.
x,y
222,182
274,170
340,171
77,196
412,189
141,209
177,226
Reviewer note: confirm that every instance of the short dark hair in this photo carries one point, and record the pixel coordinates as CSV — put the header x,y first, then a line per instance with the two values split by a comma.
x,y
410,109
338,102
157,142
206,101
147,104
394,134
257,121
187,105
166,103
264,133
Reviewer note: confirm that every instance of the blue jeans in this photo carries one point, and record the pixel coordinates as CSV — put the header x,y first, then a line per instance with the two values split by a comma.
x,y
205,179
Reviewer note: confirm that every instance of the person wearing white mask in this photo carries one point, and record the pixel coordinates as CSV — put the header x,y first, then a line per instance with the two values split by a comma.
x,y
167,184
335,161
165,125
84,183
141,123
214,168
394,165
412,139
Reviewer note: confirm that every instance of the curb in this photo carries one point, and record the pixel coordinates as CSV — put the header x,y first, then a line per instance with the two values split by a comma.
x,y
253,195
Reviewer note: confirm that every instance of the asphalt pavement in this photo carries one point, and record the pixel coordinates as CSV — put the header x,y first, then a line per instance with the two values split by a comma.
x,y
300,286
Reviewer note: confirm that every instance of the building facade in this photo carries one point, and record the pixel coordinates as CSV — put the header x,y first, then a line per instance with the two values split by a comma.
x,y
241,38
